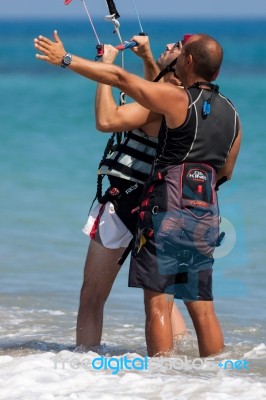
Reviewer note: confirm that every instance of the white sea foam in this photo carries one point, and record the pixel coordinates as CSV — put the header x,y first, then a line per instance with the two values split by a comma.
x,y
51,312
45,377
258,352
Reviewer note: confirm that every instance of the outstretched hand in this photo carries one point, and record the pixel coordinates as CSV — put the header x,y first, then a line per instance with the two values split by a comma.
x,y
52,52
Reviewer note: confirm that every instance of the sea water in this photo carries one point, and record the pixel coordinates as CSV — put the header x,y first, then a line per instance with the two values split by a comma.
x,y
49,154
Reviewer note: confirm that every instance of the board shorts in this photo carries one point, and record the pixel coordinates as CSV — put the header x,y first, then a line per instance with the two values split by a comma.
x,y
113,221
106,228
178,230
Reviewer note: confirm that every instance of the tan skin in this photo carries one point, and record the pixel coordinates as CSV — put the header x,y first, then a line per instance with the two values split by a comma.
x,y
124,119
144,92
172,102
101,267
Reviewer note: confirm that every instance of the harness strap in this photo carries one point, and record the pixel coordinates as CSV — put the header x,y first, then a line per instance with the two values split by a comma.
x,y
139,155
169,68
156,176
107,150
141,176
123,258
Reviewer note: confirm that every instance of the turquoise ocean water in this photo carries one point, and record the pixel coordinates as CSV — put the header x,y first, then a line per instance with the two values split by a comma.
x,y
49,155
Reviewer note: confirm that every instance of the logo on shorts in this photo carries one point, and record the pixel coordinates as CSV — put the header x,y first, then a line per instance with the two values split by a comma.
x,y
196,175
114,191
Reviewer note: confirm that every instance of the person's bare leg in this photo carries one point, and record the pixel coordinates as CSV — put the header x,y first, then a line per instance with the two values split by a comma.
x,y
206,324
159,337
100,271
179,328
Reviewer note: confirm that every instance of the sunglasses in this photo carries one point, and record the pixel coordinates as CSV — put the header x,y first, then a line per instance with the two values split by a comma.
x,y
183,41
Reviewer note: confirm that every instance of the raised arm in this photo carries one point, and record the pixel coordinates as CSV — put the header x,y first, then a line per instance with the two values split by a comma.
x,y
112,117
161,98
143,50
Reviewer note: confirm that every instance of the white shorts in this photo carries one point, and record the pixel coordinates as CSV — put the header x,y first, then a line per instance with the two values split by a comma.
x,y
106,227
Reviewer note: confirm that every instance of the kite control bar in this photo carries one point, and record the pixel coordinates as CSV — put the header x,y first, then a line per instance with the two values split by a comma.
x,y
126,45
120,47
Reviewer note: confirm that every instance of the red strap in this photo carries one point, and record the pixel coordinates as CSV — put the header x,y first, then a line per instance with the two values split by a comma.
x,y
96,223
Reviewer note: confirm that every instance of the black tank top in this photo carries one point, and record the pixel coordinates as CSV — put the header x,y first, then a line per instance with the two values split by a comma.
x,y
200,139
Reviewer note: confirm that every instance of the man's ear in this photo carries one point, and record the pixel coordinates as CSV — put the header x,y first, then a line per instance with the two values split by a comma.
x,y
189,59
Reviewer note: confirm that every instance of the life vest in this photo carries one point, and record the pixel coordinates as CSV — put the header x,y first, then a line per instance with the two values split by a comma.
x,y
132,158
